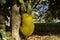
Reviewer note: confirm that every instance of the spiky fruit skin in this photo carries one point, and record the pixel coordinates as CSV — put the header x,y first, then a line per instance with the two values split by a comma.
x,y
27,27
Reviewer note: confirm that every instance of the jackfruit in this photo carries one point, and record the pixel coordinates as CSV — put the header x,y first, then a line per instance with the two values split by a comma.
x,y
27,27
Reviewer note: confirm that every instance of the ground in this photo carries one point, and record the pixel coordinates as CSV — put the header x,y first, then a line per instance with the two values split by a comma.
x,y
46,37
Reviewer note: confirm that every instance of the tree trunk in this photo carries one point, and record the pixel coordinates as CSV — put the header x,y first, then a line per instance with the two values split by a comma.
x,y
15,22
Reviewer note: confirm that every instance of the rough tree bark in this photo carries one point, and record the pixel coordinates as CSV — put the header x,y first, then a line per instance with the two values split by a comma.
x,y
15,22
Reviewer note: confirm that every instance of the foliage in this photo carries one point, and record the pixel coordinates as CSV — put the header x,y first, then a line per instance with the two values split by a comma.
x,y
53,11
35,16
2,2
5,36
26,6
40,6
49,17
54,7
2,19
